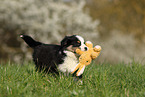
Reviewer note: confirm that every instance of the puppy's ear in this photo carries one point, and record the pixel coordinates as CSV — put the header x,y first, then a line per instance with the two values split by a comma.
x,y
66,41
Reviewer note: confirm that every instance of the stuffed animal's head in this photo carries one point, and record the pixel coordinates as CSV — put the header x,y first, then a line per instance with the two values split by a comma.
x,y
90,54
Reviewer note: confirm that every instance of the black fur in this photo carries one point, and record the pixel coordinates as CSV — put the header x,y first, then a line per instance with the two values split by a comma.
x,y
48,56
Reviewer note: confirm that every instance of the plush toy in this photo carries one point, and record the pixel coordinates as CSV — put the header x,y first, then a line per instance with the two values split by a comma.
x,y
86,57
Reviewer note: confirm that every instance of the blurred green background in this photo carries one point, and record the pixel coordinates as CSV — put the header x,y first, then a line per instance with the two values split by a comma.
x,y
117,25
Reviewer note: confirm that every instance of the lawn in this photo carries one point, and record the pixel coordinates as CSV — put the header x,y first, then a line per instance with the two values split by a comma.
x,y
99,80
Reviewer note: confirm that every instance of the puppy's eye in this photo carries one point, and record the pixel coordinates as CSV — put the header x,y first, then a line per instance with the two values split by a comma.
x,y
78,42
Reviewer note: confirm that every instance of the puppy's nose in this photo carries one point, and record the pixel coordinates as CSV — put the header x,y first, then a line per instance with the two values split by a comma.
x,y
85,48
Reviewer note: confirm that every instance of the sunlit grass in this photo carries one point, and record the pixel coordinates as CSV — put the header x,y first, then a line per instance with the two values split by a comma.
x,y
103,80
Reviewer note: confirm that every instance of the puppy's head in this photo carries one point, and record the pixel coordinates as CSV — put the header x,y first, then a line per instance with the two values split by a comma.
x,y
73,42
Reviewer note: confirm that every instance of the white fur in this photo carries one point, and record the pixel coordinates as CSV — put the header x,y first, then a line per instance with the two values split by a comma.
x,y
70,62
82,47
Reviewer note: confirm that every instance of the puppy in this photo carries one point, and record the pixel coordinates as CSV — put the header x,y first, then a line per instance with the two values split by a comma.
x,y
55,58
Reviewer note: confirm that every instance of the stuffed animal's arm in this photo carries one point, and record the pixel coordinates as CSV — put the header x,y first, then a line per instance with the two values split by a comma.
x,y
78,51
77,66
81,68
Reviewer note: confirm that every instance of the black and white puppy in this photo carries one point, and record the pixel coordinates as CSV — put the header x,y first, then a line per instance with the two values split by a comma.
x,y
54,58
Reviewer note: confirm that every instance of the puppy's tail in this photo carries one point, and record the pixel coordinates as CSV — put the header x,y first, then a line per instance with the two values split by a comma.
x,y
31,42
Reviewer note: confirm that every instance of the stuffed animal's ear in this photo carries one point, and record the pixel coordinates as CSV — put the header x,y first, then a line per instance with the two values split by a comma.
x,y
89,44
97,48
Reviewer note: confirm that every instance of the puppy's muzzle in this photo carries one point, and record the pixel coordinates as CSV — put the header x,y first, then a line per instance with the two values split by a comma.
x,y
84,48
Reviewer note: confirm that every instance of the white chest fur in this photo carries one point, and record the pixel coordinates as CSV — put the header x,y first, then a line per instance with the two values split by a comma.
x,y
70,62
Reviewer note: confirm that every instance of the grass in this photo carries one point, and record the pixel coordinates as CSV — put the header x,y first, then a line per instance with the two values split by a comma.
x,y
102,80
